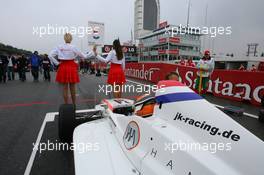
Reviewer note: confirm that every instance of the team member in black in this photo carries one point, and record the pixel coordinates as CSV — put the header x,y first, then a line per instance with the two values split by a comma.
x,y
3,68
22,64
46,67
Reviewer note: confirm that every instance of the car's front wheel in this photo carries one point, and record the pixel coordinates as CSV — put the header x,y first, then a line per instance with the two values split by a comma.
x,y
67,122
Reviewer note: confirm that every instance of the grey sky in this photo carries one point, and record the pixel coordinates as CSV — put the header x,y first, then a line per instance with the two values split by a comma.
x,y
18,17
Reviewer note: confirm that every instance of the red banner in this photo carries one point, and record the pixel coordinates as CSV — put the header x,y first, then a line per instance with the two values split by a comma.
x,y
162,40
173,52
174,40
230,84
161,51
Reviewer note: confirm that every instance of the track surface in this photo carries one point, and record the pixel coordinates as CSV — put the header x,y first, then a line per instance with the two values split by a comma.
x,y
23,107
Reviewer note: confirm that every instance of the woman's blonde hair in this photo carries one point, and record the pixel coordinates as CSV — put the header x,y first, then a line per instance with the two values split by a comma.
x,y
68,38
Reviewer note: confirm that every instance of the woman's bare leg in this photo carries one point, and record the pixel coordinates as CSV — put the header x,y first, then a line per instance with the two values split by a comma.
x,y
118,91
115,91
115,95
119,94
65,93
73,93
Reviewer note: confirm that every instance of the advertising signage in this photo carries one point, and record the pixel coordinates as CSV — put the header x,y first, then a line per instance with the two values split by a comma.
x,y
126,49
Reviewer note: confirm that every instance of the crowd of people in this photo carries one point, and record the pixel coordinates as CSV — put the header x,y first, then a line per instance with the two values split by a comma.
x,y
189,62
10,65
252,69
87,66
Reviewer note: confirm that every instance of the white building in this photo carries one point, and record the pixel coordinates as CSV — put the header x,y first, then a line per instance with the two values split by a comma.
x,y
160,46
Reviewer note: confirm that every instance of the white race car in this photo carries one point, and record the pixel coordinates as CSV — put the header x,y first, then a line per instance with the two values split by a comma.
x,y
186,135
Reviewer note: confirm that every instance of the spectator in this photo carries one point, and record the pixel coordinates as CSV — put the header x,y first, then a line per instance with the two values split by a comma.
x,y
46,64
86,66
205,68
241,68
190,63
253,68
3,68
22,64
10,68
40,64
35,63
92,67
182,62
82,66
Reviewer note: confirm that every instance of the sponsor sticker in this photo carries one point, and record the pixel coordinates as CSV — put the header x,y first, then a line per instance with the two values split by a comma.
x,y
131,137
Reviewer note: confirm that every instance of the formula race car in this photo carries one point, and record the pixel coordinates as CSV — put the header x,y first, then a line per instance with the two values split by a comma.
x,y
184,135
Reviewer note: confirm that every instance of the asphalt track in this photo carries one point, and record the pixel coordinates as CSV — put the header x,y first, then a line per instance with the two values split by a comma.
x,y
23,107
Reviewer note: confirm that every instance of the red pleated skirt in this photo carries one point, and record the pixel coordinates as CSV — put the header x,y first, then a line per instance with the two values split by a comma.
x,y
68,72
116,75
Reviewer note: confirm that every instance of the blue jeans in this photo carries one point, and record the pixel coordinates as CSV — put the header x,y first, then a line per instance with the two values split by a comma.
x,y
10,73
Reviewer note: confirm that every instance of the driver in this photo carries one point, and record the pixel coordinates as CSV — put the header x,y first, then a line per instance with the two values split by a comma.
x,y
147,102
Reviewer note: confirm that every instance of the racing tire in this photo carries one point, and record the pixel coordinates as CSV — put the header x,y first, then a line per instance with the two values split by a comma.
x,y
66,122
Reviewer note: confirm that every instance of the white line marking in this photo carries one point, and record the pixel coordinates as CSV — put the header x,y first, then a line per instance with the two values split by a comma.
x,y
251,115
48,118
245,113
135,82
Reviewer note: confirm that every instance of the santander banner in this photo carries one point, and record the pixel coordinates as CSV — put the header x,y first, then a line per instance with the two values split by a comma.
x,y
230,84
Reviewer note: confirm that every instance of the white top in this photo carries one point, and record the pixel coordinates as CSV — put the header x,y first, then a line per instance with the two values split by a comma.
x,y
207,66
67,52
10,63
111,57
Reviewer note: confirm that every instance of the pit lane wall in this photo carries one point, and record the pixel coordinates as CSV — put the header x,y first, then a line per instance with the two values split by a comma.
x,y
229,84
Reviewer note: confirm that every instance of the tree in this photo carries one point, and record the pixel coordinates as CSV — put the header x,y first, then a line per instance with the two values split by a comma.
x,y
6,49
